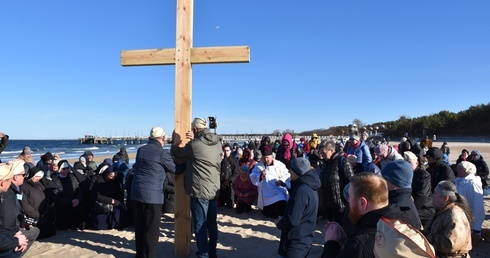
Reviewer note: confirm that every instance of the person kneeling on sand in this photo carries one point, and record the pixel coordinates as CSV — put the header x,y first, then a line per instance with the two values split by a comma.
x,y
299,221
245,191
272,179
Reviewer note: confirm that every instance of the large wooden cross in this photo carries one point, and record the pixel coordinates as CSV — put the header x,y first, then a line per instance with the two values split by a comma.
x,y
183,56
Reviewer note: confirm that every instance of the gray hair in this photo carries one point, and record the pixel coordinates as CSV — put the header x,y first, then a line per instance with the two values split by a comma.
x,y
329,145
449,189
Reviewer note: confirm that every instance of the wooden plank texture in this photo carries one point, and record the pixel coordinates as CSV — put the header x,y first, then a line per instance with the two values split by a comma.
x,y
183,116
202,55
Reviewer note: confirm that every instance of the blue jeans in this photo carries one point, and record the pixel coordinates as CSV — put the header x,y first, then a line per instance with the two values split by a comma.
x,y
204,214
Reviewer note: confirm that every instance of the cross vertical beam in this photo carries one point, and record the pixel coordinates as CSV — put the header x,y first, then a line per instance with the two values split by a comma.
x,y
183,116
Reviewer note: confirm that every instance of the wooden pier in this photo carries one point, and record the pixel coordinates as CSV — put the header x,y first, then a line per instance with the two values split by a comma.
x,y
93,139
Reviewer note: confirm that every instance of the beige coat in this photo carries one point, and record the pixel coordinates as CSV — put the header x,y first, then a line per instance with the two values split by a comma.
x,y
449,231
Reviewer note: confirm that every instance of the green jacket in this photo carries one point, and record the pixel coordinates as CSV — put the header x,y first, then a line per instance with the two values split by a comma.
x,y
203,165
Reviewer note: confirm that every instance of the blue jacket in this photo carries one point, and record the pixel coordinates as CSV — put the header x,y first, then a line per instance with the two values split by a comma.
x,y
152,162
363,155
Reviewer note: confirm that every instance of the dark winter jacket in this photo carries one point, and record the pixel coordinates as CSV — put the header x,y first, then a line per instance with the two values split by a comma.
x,y
104,190
34,201
361,242
66,190
403,198
422,195
229,170
7,242
481,168
152,162
10,209
298,224
169,193
438,170
202,166
334,176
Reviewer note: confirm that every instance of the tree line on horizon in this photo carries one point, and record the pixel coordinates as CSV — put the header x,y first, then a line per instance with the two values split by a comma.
x,y
475,121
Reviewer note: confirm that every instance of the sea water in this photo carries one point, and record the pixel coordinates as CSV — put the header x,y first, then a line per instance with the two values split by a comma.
x,y
67,149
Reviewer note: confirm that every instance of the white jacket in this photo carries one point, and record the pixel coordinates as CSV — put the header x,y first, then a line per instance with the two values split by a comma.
x,y
471,188
269,192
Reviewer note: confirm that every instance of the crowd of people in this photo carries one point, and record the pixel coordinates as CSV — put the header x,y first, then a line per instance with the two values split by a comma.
x,y
350,183
360,181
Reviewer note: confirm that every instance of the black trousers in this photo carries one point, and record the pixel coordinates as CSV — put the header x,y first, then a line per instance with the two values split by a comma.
x,y
146,228
275,210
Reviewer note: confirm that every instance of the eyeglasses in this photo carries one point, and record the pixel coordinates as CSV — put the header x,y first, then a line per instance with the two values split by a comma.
x,y
22,175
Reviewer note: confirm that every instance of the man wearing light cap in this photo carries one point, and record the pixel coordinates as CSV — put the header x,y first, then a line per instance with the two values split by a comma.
x,y
150,167
398,175
10,208
202,156
299,221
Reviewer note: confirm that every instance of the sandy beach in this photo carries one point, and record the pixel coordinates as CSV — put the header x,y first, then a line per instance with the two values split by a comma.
x,y
240,235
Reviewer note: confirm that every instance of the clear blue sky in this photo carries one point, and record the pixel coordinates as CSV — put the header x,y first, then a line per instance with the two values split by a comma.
x,y
314,64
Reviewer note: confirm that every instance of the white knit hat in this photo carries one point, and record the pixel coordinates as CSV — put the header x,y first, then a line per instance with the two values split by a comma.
x,y
156,132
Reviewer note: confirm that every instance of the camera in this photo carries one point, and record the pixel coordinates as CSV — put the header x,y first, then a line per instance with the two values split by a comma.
x,y
212,122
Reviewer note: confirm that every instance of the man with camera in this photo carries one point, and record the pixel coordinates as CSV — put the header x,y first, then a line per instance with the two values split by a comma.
x,y
202,156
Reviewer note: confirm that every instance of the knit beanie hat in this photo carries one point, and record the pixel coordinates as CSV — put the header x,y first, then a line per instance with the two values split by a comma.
x,y
399,173
381,149
157,132
26,151
354,136
199,123
300,166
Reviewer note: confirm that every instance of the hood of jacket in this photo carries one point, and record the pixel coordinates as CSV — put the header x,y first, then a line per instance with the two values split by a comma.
x,y
287,137
434,152
311,179
476,153
207,137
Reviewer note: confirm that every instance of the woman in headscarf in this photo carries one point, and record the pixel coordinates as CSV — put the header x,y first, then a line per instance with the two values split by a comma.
x,y
108,210
37,208
287,151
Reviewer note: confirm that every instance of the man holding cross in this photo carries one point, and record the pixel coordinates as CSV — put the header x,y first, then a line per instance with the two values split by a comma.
x,y
202,155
